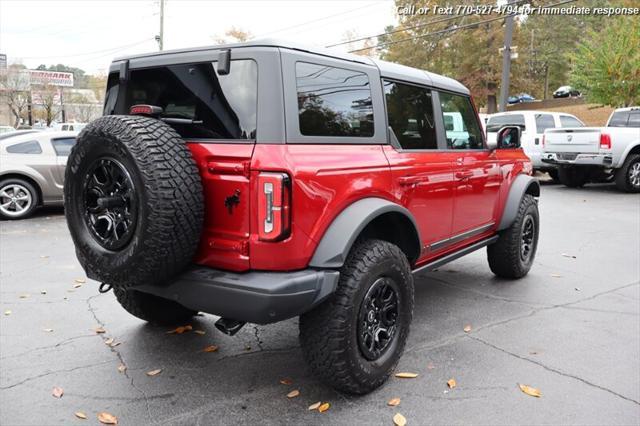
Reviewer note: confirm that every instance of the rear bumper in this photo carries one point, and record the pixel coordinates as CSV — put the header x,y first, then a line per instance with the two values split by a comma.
x,y
256,297
578,159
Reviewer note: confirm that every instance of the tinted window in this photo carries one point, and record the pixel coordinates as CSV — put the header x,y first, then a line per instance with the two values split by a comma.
x,y
31,147
460,122
544,122
112,94
634,119
619,119
333,101
410,112
198,102
63,146
566,121
496,122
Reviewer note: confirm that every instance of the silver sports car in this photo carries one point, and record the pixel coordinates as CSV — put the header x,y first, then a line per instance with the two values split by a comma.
x,y
32,168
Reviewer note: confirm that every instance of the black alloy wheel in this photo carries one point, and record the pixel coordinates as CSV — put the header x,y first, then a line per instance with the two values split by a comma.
x,y
377,320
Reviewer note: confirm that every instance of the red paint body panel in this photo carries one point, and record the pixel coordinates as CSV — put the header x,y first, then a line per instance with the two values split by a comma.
x,y
448,193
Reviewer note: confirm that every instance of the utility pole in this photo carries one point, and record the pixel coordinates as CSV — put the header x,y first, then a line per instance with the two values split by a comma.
x,y
506,62
160,38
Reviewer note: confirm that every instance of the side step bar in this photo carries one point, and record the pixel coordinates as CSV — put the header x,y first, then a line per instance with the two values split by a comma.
x,y
455,255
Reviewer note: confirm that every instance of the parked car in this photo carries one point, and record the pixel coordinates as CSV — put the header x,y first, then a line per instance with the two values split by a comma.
x,y
6,129
77,127
292,180
520,98
566,92
32,171
533,124
592,154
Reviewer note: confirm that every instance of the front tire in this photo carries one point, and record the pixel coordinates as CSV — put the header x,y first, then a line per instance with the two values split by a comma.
x,y
153,309
354,340
18,198
628,176
512,255
573,177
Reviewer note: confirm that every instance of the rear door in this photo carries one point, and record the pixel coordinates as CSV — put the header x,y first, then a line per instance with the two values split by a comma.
x,y
534,148
62,148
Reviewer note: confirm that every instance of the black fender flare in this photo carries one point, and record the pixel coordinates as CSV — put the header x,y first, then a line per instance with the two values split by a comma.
x,y
339,237
522,184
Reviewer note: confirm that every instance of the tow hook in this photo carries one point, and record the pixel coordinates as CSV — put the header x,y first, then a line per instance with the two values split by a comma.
x,y
229,326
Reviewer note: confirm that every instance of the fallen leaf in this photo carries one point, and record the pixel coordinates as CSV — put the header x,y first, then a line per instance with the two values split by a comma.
x,y
80,280
247,348
57,392
577,289
109,341
286,381
430,366
100,330
293,393
529,390
24,296
533,353
44,257
556,276
77,285
394,402
113,345
315,406
180,330
43,291
211,348
324,407
569,255
399,420
107,419
467,328
48,330
200,332
451,383
80,415
7,312
122,368
154,372
406,375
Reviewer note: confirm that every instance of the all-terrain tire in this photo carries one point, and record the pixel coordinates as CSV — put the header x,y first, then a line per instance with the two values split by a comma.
x,y
27,194
573,177
151,308
505,256
627,174
329,333
165,194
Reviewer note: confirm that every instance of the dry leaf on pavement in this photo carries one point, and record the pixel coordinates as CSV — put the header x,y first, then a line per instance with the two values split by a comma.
x,y
293,393
556,276
394,402
78,285
200,332
7,312
286,381
154,372
109,341
24,296
80,415
324,407
211,348
467,328
451,383
43,291
48,330
113,345
57,392
530,391
180,330
406,375
399,420
315,406
122,368
107,419
100,330
80,280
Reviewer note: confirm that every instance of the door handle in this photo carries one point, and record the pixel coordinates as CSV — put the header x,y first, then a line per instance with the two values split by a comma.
x,y
466,174
412,180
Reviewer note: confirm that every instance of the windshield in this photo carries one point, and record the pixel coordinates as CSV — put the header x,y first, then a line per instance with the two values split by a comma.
x,y
496,122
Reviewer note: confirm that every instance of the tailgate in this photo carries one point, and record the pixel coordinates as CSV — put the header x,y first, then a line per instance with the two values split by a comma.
x,y
578,140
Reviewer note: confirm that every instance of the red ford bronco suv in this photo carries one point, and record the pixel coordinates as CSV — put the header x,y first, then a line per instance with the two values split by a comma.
x,y
263,180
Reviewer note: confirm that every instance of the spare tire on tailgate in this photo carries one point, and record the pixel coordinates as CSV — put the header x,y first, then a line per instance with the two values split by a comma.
x,y
133,201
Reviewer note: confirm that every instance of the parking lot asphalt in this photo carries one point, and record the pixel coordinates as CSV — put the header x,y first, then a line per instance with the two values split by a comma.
x,y
571,329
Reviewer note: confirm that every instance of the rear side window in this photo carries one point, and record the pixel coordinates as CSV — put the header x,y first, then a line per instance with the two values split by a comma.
x,y
199,103
634,119
333,101
544,122
63,146
619,119
567,121
30,147
460,122
410,113
495,123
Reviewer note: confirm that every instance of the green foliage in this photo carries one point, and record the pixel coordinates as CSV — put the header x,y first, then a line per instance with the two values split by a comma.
x,y
606,64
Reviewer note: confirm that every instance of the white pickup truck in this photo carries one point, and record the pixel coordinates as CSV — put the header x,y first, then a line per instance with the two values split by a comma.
x,y
592,154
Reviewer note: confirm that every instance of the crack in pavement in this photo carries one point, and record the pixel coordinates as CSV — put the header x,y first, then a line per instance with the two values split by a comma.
x,y
53,346
119,355
68,370
553,370
258,340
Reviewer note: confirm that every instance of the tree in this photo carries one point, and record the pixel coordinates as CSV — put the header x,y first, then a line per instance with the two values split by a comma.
x,y
234,35
48,98
14,86
607,63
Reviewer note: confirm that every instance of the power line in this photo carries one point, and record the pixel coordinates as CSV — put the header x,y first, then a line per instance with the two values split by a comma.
x,y
461,27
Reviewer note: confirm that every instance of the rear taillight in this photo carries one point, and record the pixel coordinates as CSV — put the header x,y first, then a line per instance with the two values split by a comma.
x,y
150,110
605,141
274,206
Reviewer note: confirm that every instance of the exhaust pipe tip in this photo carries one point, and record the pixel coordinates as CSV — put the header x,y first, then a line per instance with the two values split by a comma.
x,y
229,326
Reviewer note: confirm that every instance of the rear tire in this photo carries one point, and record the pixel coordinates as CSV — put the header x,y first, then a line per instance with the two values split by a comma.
x,y
18,199
508,257
628,176
573,177
337,336
153,309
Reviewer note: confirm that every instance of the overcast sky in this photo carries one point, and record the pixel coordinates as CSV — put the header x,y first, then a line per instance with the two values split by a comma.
x,y
89,33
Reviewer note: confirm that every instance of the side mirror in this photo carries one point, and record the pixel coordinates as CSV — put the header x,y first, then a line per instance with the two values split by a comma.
x,y
508,137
